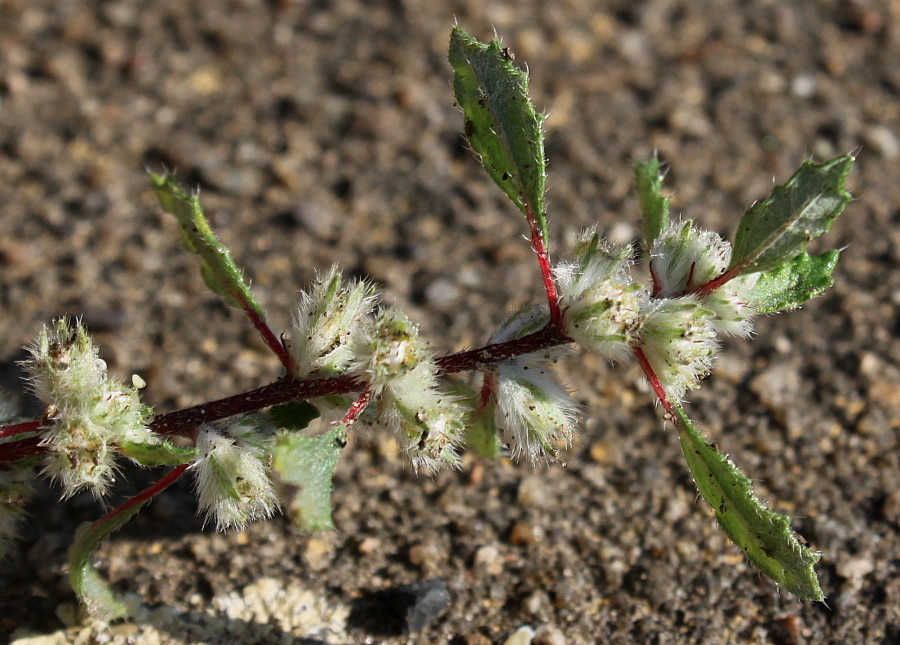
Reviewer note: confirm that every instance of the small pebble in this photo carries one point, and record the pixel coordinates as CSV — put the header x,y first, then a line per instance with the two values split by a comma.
x,y
534,491
487,558
522,636
549,635
855,568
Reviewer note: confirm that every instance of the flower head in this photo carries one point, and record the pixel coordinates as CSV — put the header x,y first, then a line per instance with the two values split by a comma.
x,y
601,305
679,340
87,411
684,257
232,477
326,322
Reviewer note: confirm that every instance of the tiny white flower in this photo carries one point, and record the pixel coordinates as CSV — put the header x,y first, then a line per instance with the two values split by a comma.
x,y
326,322
232,478
87,411
427,422
679,340
684,257
390,348
601,305
729,303
533,412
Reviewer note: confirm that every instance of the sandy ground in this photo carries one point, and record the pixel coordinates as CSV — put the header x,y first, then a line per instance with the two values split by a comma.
x,y
325,132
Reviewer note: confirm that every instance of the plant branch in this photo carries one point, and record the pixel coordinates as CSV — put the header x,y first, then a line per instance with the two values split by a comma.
x,y
184,422
718,281
655,385
269,338
145,495
543,258
20,428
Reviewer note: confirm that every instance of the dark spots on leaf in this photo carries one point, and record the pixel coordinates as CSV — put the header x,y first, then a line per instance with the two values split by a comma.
x,y
505,176
469,128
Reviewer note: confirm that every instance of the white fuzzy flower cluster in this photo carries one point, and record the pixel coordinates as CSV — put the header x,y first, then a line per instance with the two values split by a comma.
x,y
601,305
533,412
87,411
335,332
325,322
605,311
232,473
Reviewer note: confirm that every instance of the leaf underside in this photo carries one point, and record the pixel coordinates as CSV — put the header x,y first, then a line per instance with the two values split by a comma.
x,y
764,536
303,468
501,124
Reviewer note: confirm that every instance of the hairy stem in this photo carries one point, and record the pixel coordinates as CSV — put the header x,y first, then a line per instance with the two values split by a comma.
x,y
543,258
148,493
655,385
184,422
717,282
20,428
269,338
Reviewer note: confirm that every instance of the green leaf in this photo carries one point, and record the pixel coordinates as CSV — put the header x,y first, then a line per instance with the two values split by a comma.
x,y
218,269
294,415
765,537
776,231
654,207
481,431
158,454
792,284
303,469
501,124
97,596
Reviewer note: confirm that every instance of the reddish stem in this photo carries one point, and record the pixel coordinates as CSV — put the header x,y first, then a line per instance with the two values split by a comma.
x,y
360,404
20,428
184,422
269,338
543,258
655,385
148,493
717,282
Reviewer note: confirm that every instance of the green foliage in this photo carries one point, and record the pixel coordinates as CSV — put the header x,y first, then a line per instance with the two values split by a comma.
x,y
219,271
764,536
304,468
654,207
501,124
293,416
152,454
777,230
99,599
671,327
790,285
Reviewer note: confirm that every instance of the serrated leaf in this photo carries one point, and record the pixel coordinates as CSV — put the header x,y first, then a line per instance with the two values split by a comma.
x,y
216,266
764,536
159,454
776,230
654,207
303,469
294,415
99,599
792,284
501,124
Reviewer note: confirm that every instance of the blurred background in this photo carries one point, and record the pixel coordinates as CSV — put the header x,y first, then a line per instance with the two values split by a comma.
x,y
321,132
